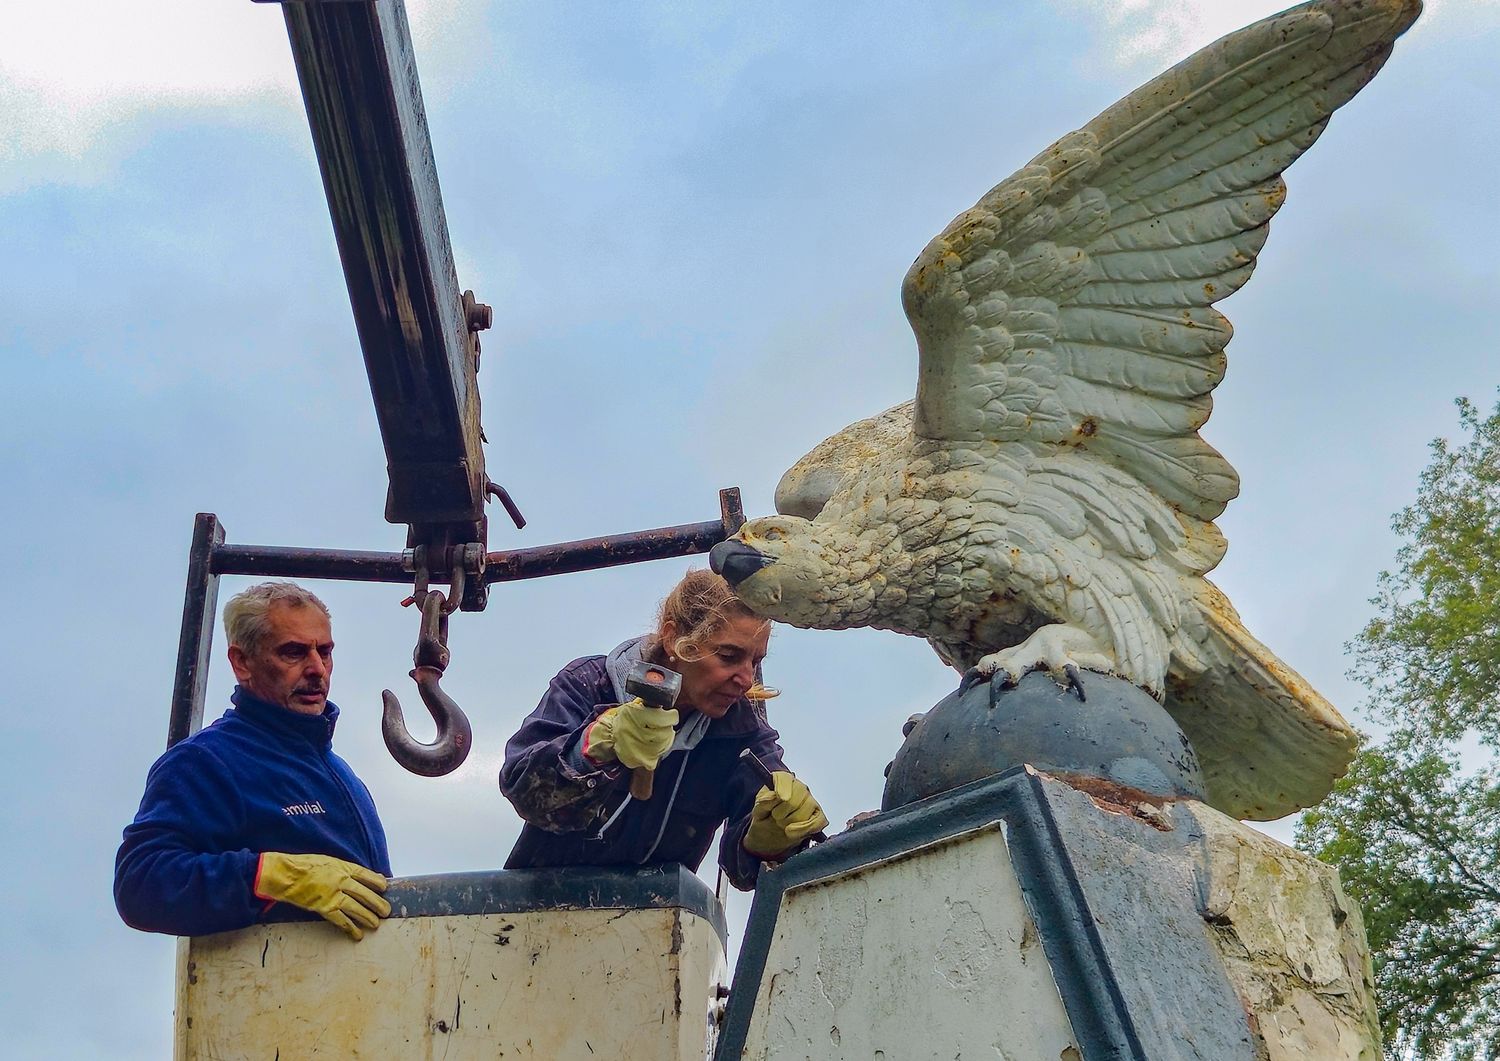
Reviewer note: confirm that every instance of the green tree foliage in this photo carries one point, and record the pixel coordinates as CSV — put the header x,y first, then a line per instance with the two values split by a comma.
x,y
1418,846
1431,655
1416,839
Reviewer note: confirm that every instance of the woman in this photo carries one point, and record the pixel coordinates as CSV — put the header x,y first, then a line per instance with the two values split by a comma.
x,y
568,767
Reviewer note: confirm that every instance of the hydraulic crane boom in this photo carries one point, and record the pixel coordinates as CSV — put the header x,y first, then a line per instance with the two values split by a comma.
x,y
417,329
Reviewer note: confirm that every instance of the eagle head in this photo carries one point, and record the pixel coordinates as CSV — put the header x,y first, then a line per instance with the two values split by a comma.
x,y
782,567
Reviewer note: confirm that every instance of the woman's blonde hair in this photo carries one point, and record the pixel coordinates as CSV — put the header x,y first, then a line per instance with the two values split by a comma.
x,y
698,607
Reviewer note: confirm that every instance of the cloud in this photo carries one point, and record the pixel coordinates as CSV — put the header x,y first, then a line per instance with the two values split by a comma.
x,y
73,70
77,76
1162,32
80,79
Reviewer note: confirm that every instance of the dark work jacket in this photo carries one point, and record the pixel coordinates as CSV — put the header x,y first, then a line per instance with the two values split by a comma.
x,y
262,778
695,790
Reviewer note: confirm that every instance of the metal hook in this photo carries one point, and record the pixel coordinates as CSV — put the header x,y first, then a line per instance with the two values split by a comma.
x,y
454,734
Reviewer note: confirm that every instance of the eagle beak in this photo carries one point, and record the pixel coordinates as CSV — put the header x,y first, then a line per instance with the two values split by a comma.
x,y
737,561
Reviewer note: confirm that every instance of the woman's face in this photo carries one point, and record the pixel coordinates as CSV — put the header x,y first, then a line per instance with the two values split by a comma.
x,y
726,669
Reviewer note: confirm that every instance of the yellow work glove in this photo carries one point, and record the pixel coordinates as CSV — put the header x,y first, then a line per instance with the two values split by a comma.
x,y
632,734
343,893
783,817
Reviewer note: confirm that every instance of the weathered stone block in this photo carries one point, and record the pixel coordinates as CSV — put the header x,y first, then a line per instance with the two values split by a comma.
x,y
1028,915
1291,941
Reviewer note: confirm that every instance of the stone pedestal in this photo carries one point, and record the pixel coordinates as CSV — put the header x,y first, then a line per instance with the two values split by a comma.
x,y
566,965
1036,917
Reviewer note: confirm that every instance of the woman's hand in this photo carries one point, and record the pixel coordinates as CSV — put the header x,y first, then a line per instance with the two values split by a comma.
x,y
784,815
632,734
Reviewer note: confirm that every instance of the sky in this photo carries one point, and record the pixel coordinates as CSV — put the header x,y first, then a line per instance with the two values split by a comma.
x,y
692,221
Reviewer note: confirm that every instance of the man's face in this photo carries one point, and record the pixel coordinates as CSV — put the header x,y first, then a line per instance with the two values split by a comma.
x,y
294,665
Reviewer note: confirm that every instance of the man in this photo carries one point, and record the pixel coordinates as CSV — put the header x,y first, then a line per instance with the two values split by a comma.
x,y
256,809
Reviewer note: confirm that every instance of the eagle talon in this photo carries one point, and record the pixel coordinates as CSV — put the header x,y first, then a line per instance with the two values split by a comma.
x,y
1075,682
980,673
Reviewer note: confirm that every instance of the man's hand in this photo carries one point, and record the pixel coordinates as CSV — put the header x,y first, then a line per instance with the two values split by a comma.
x,y
632,734
784,815
343,893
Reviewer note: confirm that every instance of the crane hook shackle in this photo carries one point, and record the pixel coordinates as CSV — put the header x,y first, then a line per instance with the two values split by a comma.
x,y
454,734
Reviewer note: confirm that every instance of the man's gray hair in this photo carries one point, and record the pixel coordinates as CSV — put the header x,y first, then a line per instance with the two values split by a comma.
x,y
247,615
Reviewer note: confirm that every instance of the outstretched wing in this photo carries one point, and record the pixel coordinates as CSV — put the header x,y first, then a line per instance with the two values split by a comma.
x,y
1073,304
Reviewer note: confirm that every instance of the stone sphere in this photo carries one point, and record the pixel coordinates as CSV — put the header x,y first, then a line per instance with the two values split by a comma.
x,y
1119,733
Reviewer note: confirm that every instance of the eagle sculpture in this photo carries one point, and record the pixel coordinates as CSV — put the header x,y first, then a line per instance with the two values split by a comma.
x,y
1046,501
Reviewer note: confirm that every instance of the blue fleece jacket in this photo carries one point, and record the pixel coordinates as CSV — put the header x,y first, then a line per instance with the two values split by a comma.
x,y
262,778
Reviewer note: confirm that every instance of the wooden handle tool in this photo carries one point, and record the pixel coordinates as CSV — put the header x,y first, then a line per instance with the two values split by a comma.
x,y
655,686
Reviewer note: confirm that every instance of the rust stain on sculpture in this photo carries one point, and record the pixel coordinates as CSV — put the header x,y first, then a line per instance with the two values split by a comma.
x,y
1115,798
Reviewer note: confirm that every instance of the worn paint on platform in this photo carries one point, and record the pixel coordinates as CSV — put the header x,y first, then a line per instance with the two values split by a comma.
x,y
556,984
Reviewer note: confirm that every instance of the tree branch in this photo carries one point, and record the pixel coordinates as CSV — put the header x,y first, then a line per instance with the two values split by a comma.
x,y
1412,825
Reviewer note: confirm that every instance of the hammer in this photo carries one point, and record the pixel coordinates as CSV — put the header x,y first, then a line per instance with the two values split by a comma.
x,y
655,687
